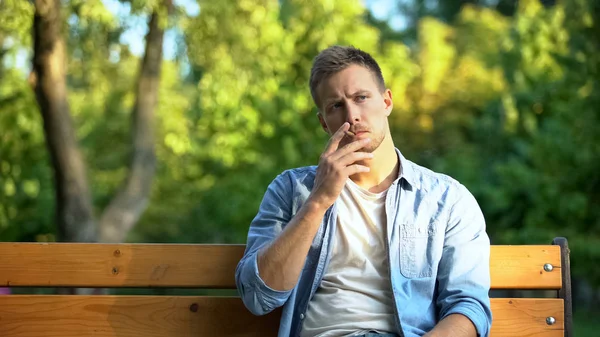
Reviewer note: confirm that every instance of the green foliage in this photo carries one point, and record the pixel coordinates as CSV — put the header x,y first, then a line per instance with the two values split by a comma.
x,y
506,104
26,192
16,18
585,324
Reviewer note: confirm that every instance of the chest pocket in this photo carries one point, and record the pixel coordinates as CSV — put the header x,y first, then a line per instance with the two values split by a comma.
x,y
421,245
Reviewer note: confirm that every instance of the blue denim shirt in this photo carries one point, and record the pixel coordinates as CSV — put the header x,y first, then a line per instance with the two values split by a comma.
x,y
438,251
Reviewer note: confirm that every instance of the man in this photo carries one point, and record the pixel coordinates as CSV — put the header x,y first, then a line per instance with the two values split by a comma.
x,y
366,243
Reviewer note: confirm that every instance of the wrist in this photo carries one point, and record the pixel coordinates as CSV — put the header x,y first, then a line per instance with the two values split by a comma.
x,y
315,205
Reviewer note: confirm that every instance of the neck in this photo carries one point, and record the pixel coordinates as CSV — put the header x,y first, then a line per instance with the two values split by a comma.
x,y
384,168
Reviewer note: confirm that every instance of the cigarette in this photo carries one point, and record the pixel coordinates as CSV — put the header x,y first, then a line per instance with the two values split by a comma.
x,y
350,134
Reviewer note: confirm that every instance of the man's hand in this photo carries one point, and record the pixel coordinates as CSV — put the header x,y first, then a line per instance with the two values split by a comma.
x,y
336,165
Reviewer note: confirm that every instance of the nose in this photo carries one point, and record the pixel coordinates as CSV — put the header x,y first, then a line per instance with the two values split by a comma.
x,y
352,114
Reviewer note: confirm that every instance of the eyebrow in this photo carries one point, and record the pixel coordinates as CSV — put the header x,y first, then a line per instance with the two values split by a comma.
x,y
361,92
337,98
330,101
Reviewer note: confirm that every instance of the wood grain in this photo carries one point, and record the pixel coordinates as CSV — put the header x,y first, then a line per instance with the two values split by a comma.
x,y
119,265
526,317
174,316
522,267
130,316
208,266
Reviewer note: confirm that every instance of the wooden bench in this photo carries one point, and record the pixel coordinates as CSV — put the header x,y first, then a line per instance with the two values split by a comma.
x,y
212,266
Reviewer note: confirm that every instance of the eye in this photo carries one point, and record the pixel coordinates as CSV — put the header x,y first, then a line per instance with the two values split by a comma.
x,y
336,105
361,98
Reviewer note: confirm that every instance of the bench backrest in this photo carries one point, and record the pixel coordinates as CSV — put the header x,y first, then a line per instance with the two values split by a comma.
x,y
212,267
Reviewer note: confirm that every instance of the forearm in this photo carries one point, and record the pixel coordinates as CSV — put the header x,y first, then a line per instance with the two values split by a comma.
x,y
281,262
455,325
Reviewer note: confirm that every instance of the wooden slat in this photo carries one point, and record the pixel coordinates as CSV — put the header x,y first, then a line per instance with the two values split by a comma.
x,y
522,267
170,316
130,316
526,317
209,266
118,265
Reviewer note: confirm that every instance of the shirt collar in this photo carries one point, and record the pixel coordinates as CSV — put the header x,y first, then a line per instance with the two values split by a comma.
x,y
407,171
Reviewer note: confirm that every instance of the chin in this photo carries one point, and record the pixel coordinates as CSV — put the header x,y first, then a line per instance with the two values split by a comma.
x,y
371,147
374,145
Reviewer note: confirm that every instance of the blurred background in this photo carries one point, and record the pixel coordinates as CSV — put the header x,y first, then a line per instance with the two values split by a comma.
x,y
166,121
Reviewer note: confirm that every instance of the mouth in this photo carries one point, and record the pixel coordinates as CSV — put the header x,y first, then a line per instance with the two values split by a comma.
x,y
356,134
352,134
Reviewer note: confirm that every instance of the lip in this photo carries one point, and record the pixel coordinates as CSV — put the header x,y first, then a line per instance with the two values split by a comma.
x,y
355,134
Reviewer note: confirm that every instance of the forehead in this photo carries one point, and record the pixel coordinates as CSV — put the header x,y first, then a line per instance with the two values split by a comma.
x,y
350,80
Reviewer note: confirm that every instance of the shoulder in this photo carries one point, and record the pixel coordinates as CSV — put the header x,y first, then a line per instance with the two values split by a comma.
x,y
436,184
454,200
300,174
432,180
299,178
291,187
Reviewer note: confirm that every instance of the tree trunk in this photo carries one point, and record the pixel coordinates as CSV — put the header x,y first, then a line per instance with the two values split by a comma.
x,y
131,200
74,213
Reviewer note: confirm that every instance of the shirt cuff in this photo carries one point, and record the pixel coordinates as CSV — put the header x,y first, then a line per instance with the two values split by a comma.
x,y
267,297
474,314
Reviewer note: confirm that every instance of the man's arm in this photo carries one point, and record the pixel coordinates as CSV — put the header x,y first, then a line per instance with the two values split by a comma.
x,y
281,262
464,272
274,258
455,325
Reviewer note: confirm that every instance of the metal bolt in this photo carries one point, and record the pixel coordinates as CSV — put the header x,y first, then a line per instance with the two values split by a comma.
x,y
117,252
550,320
548,267
194,307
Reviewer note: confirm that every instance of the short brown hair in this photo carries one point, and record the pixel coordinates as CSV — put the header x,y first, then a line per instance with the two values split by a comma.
x,y
337,58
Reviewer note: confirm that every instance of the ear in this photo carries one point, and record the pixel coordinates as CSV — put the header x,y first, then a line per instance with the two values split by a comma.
x,y
322,121
387,100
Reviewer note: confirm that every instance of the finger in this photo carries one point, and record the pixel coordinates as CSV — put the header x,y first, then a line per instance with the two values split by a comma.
x,y
353,157
356,168
335,139
349,148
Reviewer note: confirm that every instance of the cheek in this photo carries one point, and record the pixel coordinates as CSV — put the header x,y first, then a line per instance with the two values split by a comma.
x,y
333,122
329,128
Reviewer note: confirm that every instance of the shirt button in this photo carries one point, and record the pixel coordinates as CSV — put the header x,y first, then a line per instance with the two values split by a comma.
x,y
301,316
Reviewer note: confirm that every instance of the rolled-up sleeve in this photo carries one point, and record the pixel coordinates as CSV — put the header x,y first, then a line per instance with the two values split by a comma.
x,y
464,270
273,214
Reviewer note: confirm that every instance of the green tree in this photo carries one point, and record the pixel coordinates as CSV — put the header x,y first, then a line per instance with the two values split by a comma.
x,y
25,180
50,80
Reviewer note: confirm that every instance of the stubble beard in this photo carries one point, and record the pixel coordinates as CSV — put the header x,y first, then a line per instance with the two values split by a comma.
x,y
374,144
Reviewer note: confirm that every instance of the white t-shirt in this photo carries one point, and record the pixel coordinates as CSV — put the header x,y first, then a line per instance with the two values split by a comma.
x,y
355,295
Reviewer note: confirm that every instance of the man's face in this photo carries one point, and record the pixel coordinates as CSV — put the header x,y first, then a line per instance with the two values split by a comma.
x,y
352,95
